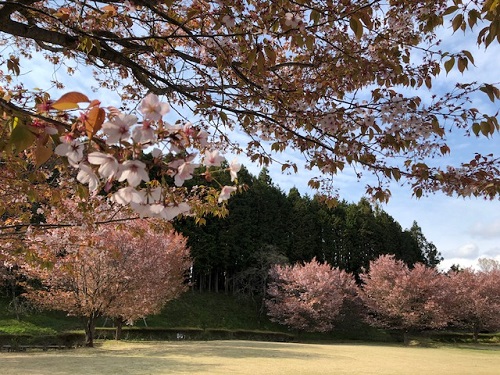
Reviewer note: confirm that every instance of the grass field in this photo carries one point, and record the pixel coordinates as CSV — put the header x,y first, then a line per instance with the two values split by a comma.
x,y
247,357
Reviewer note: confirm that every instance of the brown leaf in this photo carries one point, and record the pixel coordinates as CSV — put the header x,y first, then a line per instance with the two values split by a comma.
x,y
95,119
70,100
42,154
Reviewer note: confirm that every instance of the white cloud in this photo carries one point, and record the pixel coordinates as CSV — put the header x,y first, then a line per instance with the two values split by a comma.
x,y
461,262
468,251
493,252
486,230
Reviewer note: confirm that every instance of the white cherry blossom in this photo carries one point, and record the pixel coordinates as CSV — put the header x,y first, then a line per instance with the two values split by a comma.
x,y
71,148
213,159
87,176
234,168
226,193
126,196
151,195
152,108
143,209
108,165
118,129
134,171
184,172
172,211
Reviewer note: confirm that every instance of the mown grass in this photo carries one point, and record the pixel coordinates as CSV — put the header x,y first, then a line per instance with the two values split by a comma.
x,y
247,357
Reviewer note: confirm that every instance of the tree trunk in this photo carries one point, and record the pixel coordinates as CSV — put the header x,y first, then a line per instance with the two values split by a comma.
x,y
119,326
475,333
216,286
406,338
15,301
90,331
226,283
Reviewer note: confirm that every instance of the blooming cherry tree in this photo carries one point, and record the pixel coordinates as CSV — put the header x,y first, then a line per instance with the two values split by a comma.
x,y
474,299
119,161
406,299
96,266
308,297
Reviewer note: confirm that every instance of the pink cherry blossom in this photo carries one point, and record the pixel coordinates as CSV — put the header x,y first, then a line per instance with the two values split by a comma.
x,y
234,168
118,129
108,165
188,129
226,193
156,152
152,108
71,148
134,171
212,158
144,134
202,138
185,172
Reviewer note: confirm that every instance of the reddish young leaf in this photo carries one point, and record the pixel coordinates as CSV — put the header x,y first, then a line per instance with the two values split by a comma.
x,y
95,119
70,100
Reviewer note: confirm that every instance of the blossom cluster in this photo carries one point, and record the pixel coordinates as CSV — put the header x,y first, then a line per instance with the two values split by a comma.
x,y
122,132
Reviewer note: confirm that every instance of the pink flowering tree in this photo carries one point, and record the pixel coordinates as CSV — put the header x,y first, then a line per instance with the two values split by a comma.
x,y
308,297
398,297
123,270
474,299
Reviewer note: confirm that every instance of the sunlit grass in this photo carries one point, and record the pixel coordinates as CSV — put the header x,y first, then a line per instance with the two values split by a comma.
x,y
16,327
246,357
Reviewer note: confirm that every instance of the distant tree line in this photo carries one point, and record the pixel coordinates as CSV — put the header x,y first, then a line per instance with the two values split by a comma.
x,y
266,226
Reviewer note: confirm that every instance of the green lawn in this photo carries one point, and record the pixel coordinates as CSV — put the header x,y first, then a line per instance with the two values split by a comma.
x,y
247,357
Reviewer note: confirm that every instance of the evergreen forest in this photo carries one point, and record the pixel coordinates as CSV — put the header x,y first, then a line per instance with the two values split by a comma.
x,y
266,226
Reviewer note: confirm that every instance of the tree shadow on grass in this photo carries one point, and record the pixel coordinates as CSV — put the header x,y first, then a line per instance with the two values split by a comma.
x,y
247,349
155,358
106,364
484,347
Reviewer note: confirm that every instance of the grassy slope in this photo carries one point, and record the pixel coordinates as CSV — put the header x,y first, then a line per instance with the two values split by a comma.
x,y
200,310
212,310
193,310
246,357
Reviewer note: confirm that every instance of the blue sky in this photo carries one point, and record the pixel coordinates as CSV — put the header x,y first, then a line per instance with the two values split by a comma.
x,y
462,229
